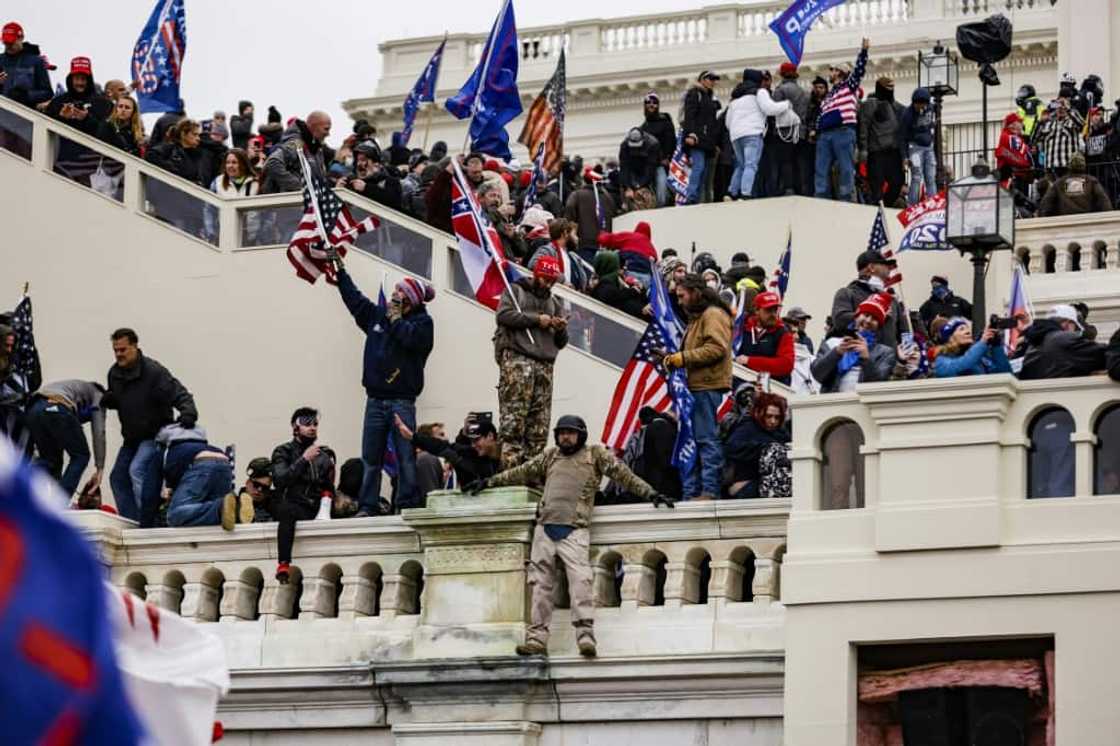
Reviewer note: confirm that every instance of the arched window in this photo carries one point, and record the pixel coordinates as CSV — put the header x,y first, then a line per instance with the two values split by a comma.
x,y
842,467
1106,454
1050,462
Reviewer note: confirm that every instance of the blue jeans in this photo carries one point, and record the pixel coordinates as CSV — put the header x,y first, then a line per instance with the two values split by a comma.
x,y
836,146
378,427
706,474
923,168
748,152
57,432
135,480
197,500
696,177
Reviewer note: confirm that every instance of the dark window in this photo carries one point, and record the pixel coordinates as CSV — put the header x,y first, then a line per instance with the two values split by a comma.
x,y
1050,460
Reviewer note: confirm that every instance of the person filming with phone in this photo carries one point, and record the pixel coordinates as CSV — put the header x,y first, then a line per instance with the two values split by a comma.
x,y
857,355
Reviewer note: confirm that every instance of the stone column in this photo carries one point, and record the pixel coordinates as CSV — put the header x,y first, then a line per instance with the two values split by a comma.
x,y
398,594
475,552
637,585
359,597
318,598
239,601
724,574
200,602
765,577
164,596
277,599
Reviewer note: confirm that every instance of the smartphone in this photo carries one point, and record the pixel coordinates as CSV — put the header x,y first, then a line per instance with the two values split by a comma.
x,y
907,339
851,333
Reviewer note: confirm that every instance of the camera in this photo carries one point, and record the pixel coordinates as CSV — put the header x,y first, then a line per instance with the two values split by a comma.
x,y
1001,323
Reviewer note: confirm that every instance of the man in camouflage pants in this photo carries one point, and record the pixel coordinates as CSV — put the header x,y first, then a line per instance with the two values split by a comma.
x,y
531,332
571,472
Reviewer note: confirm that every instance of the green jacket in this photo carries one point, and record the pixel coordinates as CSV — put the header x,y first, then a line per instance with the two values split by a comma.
x,y
597,461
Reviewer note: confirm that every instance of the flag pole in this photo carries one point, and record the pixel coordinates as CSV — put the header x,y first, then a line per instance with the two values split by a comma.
x,y
428,125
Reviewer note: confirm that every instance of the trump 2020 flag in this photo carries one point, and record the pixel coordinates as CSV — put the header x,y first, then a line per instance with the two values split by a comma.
x,y
792,25
924,225
684,450
157,58
490,94
480,247
424,90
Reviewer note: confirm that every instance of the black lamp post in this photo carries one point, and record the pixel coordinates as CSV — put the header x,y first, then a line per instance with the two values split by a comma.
x,y
939,73
980,219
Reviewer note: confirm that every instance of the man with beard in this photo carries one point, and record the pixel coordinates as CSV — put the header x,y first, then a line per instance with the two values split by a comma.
x,y
571,472
532,329
660,125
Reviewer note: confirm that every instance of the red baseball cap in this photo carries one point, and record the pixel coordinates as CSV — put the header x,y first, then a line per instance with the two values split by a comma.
x,y
767,300
547,266
81,66
13,32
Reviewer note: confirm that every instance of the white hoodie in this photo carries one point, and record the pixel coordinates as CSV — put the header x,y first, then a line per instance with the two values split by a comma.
x,y
747,114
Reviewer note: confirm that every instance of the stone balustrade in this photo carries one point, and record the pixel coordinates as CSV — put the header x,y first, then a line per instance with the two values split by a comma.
x,y
1069,243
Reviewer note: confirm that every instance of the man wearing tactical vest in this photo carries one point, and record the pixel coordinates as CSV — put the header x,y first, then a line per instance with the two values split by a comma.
x,y
571,472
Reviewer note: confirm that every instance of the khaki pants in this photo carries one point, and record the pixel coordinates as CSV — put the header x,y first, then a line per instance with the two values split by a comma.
x,y
574,551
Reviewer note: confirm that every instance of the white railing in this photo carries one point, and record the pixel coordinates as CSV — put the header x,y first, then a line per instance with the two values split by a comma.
x,y
654,32
981,8
1069,243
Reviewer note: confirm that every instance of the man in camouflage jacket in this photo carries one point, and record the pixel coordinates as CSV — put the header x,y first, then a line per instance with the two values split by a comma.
x,y
571,472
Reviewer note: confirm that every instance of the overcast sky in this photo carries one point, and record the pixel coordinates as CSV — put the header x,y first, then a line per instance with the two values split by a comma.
x,y
295,54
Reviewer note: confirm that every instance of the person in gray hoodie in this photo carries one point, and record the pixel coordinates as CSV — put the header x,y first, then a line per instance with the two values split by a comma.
x,y
794,152
879,119
55,418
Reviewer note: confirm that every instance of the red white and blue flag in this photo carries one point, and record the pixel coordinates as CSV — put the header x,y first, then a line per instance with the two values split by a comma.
x,y
881,242
680,169
781,274
480,247
1019,307
157,58
310,248
924,225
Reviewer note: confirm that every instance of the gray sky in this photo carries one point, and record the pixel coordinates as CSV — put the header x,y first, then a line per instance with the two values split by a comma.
x,y
297,56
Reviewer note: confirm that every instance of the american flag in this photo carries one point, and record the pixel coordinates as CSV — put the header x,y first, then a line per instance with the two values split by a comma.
x,y
544,124
157,58
308,250
25,355
878,241
781,274
645,382
680,168
538,170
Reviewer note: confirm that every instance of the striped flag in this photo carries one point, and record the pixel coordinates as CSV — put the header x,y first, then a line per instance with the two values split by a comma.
x,y
1019,306
879,241
781,274
680,168
480,247
544,124
310,247
538,170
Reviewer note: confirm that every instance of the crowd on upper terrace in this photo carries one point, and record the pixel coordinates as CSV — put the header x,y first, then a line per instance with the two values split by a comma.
x,y
789,140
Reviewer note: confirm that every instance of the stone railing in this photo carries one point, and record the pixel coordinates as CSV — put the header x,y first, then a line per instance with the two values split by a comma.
x,y
984,8
1069,243
755,19
449,580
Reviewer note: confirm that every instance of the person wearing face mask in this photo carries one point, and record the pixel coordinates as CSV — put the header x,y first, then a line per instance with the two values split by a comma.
x,y
303,477
880,117
943,302
874,269
856,355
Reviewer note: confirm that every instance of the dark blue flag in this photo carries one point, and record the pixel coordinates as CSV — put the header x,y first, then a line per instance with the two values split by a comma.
x,y
424,90
792,25
781,274
490,95
157,58
684,450
60,679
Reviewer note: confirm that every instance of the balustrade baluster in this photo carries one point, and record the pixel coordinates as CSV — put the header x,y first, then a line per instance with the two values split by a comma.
x,y
239,601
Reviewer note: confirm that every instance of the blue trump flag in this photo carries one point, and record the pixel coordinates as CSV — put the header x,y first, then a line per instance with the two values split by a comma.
x,y
60,682
157,58
792,25
490,95
424,90
684,450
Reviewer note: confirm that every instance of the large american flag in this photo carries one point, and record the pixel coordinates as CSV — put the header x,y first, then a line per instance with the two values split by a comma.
x,y
25,355
544,123
878,241
309,249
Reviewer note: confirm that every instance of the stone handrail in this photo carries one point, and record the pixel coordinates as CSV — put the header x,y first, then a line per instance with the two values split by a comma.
x,y
410,581
1069,243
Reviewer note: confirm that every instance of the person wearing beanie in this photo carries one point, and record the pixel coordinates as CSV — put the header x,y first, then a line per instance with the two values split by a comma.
x,y
659,124
958,354
1076,193
795,165
639,158
399,339
943,302
532,329
880,145
610,288
241,124
23,71
1013,155
857,354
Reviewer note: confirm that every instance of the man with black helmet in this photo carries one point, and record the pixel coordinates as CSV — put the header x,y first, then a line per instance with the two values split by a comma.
x,y
571,472
1030,106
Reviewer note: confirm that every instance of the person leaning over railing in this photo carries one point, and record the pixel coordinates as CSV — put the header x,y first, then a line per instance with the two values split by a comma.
x,y
959,355
1055,347
756,451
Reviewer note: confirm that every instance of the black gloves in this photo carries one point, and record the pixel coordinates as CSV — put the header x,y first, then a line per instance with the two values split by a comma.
x,y
660,499
187,420
475,487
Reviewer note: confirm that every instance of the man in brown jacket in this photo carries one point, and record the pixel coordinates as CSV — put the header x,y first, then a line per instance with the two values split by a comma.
x,y
706,355
1075,193
532,329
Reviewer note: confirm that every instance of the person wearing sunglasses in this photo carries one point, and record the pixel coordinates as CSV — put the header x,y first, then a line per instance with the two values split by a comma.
x,y
303,475
258,487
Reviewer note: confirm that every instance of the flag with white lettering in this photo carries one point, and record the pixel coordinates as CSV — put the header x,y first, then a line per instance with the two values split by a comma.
x,y
794,23
157,58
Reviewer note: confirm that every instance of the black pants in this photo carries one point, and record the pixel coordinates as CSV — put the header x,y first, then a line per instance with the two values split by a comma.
x,y
806,156
885,167
286,514
785,166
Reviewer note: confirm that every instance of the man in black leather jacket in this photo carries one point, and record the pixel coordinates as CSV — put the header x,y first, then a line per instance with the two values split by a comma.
x,y
302,475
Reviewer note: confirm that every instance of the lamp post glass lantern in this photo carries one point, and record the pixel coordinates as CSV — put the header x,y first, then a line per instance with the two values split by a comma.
x,y
979,219
938,73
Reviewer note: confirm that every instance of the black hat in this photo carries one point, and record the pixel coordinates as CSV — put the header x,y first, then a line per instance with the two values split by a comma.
x,y
873,257
707,75
480,429
259,467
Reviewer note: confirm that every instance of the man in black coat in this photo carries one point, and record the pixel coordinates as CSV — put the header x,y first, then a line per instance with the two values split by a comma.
x,y
241,124
302,475
1056,347
660,125
1112,356
943,302
700,131
145,395
23,74
639,161
874,269
475,454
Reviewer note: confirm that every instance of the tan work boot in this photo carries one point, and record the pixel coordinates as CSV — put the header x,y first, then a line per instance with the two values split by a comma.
x,y
532,647
245,509
587,648
703,497
229,511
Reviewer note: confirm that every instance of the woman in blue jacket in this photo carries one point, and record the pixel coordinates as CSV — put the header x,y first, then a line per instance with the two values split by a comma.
x,y
959,355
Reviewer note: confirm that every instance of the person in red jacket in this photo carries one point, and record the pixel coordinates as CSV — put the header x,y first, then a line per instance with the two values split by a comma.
x,y
767,345
1013,155
635,249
